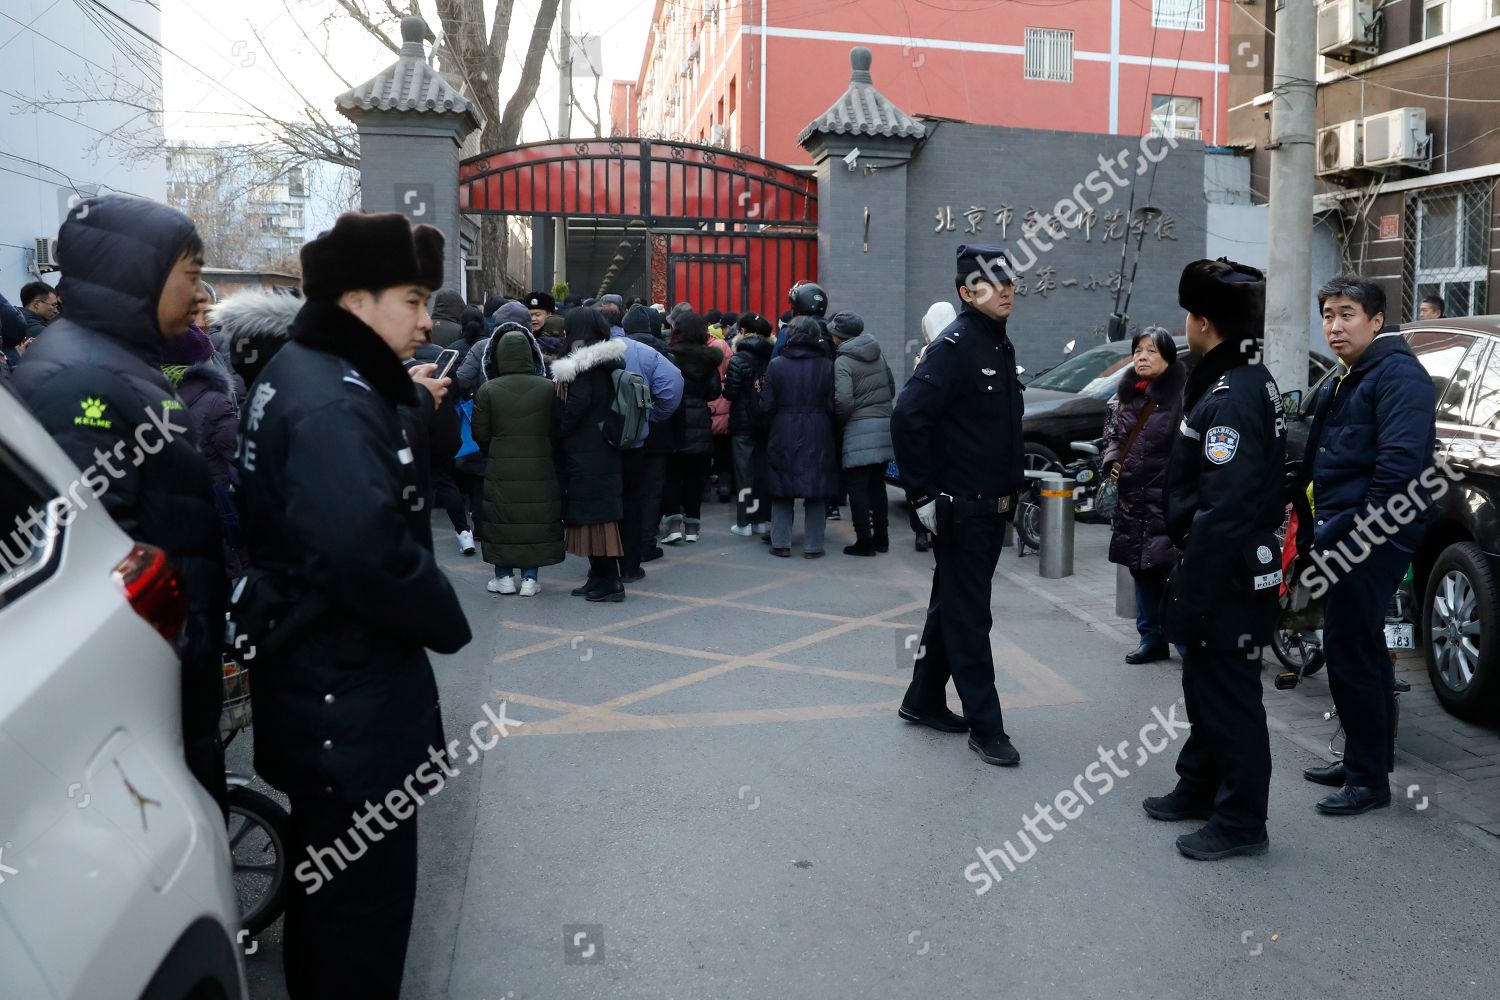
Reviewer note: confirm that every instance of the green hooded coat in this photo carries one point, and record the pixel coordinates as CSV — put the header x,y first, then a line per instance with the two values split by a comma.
x,y
520,525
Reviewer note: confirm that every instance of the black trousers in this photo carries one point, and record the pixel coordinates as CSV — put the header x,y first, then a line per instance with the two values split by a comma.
x,y
632,526
1227,757
347,937
751,505
653,481
450,498
868,504
472,488
956,637
1361,677
683,494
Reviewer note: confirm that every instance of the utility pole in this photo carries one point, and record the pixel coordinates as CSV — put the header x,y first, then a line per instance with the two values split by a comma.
x,y
564,120
1293,142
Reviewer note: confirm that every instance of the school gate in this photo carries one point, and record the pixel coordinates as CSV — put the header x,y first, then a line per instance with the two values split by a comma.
x,y
664,220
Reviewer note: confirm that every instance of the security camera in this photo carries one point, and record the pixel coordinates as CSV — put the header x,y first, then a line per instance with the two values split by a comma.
x,y
851,160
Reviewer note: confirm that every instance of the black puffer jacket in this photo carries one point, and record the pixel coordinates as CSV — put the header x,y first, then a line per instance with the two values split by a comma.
x,y
588,465
699,364
95,382
1140,529
751,356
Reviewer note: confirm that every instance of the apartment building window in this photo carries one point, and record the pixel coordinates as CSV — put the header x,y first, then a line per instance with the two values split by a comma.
x,y
1449,255
1179,117
1184,15
1442,16
1049,54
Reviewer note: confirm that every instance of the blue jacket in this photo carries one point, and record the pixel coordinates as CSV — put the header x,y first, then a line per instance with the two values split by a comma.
x,y
1373,434
660,375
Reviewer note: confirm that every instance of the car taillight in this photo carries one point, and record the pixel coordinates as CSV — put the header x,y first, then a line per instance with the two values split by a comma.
x,y
150,584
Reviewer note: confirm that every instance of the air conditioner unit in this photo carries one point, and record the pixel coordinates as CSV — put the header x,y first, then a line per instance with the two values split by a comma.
x,y
717,136
46,255
1397,138
1338,148
693,50
1346,30
711,11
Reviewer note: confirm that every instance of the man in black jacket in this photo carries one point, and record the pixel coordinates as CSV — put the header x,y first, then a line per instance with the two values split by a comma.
x,y
957,435
346,706
1221,600
132,277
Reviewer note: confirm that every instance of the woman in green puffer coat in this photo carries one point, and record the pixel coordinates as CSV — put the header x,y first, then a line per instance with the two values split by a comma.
x,y
520,523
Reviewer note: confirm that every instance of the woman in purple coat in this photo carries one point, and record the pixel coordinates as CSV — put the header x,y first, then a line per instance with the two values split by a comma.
x,y
1155,379
802,458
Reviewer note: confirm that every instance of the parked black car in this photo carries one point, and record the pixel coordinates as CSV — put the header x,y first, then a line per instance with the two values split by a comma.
x,y
1069,401
1456,571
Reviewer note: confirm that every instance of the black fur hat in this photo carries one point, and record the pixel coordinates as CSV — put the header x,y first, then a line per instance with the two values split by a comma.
x,y
373,251
1231,295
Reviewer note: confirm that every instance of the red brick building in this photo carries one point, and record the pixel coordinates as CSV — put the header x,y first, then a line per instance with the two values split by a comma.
x,y
1103,66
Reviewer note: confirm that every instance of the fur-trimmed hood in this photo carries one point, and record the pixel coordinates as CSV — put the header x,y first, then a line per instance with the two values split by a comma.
x,y
256,326
609,353
487,359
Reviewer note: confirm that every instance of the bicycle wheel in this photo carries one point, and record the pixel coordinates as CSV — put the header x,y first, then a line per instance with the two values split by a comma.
x,y
1296,650
1029,522
258,845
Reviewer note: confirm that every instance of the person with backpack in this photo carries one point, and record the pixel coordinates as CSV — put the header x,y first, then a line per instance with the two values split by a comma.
x,y
642,487
748,425
588,464
864,393
520,523
682,497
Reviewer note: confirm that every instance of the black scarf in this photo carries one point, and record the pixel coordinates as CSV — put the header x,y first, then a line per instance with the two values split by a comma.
x,y
1215,363
325,326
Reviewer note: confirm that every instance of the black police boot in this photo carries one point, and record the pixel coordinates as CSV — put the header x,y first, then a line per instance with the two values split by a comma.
x,y
1177,805
1332,775
882,542
863,547
1148,652
995,750
924,541
1214,844
1351,801
944,719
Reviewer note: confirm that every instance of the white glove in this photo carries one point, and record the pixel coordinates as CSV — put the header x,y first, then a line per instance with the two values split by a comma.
x,y
927,514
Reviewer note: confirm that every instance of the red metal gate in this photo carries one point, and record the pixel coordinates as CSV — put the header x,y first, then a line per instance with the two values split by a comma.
x,y
727,230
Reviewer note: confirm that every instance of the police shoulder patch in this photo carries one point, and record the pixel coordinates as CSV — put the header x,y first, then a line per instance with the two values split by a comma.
x,y
1220,443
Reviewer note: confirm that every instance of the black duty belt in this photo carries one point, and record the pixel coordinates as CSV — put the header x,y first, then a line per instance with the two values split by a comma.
x,y
986,505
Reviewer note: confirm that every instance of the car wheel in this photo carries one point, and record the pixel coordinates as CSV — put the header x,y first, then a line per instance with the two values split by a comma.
x,y
1040,458
1461,616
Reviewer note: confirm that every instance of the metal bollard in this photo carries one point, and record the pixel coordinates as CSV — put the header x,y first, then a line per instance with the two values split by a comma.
x,y
1057,528
1124,592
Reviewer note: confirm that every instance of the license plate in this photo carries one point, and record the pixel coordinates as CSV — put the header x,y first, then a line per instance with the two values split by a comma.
x,y
1400,636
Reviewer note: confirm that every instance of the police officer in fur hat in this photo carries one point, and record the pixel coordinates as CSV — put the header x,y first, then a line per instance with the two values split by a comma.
x,y
342,599
540,305
1221,601
957,436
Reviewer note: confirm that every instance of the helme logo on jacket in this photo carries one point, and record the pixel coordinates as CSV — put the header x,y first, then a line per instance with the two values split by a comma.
x,y
93,414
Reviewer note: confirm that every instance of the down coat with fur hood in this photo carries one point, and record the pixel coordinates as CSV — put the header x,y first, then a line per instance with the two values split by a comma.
x,y
588,465
1140,529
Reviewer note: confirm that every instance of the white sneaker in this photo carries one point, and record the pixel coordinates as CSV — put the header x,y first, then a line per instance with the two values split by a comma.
x,y
691,536
466,542
672,537
743,530
530,588
501,585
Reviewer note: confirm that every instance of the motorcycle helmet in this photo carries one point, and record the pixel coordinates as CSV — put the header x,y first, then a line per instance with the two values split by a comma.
x,y
808,299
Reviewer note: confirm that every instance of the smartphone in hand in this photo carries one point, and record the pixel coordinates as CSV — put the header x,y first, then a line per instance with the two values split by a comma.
x,y
445,362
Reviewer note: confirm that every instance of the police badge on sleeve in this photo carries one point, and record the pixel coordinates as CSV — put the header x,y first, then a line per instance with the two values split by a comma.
x,y
1220,444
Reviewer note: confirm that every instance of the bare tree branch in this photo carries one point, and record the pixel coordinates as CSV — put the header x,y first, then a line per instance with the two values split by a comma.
x,y
531,74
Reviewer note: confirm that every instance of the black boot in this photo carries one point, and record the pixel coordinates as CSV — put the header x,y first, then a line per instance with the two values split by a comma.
x,y
863,547
589,586
882,542
1148,652
611,591
1177,805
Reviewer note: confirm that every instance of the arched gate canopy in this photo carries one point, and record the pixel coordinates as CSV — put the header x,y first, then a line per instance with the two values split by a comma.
x,y
726,230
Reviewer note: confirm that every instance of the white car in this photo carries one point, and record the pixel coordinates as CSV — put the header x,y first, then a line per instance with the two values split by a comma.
x,y
114,865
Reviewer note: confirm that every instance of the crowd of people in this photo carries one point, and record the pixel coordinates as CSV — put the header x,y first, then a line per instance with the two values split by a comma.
x,y
308,436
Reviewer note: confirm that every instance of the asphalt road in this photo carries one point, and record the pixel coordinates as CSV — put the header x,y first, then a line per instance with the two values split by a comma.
x,y
710,787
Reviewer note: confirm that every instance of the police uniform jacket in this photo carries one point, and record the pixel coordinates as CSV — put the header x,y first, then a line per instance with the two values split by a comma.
x,y
334,514
1224,504
957,424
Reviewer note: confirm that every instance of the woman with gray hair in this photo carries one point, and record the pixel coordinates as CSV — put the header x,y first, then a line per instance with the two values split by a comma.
x,y
1140,429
